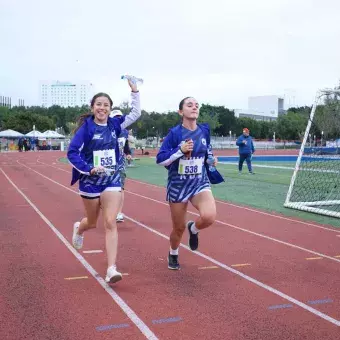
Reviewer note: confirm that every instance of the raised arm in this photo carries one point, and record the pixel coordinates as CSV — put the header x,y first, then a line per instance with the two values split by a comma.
x,y
135,112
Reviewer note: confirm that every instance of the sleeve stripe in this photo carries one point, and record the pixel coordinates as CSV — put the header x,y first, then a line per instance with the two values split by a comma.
x,y
172,158
135,112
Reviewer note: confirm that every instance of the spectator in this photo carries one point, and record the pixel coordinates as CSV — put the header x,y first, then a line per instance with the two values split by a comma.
x,y
246,150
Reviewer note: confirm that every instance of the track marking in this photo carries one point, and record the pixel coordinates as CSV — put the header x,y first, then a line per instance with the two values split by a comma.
x,y
108,327
221,222
314,258
210,259
244,276
217,221
230,204
246,230
167,320
241,265
92,251
209,267
318,302
280,306
252,210
145,330
76,278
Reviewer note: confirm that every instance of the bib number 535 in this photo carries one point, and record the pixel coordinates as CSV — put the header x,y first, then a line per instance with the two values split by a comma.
x,y
106,161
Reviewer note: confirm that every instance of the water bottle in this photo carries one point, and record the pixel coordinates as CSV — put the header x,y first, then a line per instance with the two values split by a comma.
x,y
210,162
133,79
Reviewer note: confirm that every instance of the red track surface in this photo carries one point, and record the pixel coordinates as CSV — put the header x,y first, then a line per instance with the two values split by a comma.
x,y
215,303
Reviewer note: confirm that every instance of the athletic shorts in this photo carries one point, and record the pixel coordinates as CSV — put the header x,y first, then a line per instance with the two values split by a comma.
x,y
91,191
184,192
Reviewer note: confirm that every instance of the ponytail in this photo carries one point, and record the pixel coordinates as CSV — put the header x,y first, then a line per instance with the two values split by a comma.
x,y
81,120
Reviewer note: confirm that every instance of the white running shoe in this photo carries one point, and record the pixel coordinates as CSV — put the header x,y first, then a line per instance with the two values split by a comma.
x,y
120,217
112,275
77,240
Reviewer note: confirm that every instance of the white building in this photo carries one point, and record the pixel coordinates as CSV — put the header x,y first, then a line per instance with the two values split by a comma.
x,y
262,108
65,94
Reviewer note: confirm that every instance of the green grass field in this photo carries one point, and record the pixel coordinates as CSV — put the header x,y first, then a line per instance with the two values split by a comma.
x,y
265,190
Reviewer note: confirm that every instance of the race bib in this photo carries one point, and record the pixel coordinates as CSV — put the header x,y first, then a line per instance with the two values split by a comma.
x,y
190,166
105,158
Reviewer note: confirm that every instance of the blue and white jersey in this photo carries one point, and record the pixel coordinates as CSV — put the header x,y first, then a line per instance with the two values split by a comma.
x,y
198,153
121,143
95,143
103,139
186,176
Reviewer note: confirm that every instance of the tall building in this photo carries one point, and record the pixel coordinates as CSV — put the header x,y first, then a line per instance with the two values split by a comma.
x,y
65,94
262,108
5,101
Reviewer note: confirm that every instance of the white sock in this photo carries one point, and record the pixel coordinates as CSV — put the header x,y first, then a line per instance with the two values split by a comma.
x,y
173,251
193,229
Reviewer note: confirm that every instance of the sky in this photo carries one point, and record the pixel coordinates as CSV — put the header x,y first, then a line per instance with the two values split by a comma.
x,y
218,51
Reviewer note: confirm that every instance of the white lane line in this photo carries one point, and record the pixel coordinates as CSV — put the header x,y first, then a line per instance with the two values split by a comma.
x,y
246,277
245,230
221,222
232,205
220,264
120,302
252,210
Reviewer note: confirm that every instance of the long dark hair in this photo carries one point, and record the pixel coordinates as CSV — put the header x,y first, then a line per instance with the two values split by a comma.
x,y
81,119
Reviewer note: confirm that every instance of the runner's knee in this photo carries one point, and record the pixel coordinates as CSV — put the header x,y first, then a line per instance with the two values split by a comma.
x,y
208,217
110,222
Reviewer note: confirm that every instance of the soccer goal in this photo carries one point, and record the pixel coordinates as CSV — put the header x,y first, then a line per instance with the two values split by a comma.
x,y
315,184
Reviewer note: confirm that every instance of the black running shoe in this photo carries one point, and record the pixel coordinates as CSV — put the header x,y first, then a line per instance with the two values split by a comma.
x,y
193,238
173,262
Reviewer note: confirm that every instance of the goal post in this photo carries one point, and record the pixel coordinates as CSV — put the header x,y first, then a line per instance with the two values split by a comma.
x,y
315,183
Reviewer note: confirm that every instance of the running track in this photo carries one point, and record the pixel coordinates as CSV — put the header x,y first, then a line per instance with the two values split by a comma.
x,y
256,275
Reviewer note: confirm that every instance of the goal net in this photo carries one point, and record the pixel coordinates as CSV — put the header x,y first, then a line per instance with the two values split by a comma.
x,y
315,184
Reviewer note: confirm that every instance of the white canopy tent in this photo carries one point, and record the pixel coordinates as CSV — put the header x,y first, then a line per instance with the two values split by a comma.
x,y
10,134
33,133
51,134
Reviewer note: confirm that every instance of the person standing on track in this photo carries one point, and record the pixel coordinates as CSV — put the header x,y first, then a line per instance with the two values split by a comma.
x,y
124,151
132,146
246,150
184,152
94,154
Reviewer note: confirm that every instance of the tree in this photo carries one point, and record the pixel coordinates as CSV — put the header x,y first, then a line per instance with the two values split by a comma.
x,y
210,114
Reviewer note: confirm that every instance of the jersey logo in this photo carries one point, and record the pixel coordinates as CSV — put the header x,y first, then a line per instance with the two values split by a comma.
x,y
204,142
97,136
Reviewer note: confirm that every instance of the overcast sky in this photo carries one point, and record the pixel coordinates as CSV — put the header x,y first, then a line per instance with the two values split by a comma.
x,y
219,51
